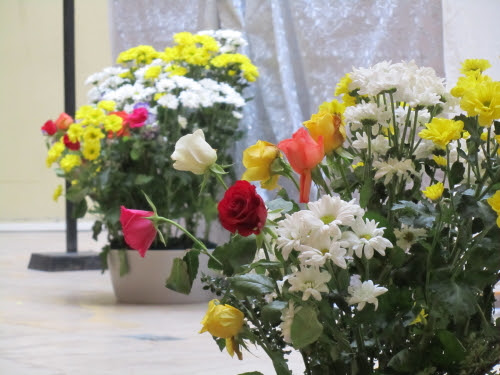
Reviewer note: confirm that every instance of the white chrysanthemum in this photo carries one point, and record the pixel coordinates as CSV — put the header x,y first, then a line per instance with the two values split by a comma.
x,y
294,229
333,211
365,238
310,281
407,236
182,121
168,101
394,167
379,144
363,293
165,84
319,247
425,149
371,81
357,114
287,315
237,115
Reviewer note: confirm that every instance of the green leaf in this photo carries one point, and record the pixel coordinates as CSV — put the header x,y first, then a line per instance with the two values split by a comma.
x,y
142,179
179,279
234,254
456,173
192,261
453,348
306,329
79,209
252,284
366,192
96,229
271,312
217,169
135,153
457,299
344,153
279,204
122,256
403,361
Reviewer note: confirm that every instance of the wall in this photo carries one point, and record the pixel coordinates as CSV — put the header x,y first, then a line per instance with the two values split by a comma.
x,y
31,92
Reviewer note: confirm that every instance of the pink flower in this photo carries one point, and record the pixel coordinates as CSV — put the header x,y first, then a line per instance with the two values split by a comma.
x,y
138,231
138,117
303,154
49,128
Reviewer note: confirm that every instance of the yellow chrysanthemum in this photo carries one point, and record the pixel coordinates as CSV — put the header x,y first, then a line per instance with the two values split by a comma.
x,y
92,134
54,153
465,135
113,123
348,100
483,101
75,132
69,162
468,82
475,65
184,38
442,131
250,72
176,70
152,72
494,202
434,192
107,105
141,55
257,160
57,193
360,164
343,85
439,160
90,115
126,75
91,150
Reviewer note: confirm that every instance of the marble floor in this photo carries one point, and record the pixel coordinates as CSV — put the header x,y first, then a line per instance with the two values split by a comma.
x,y
58,323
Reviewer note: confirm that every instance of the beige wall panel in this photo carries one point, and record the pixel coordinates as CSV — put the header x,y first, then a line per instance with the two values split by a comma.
x,y
31,91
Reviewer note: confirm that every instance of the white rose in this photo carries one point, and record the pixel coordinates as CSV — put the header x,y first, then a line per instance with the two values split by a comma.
x,y
192,153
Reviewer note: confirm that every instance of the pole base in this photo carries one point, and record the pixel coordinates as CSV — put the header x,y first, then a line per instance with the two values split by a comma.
x,y
77,261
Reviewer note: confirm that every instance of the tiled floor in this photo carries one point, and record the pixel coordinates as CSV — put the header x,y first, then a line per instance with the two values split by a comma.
x,y
55,323
59,323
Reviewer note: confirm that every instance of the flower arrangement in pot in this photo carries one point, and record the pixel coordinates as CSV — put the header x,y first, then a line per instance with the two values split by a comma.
x,y
390,267
118,147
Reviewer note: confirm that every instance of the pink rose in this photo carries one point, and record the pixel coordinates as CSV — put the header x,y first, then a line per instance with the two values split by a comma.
x,y
138,231
138,117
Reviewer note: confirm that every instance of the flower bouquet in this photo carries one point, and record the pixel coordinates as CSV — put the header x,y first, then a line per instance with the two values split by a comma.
x,y
390,268
119,145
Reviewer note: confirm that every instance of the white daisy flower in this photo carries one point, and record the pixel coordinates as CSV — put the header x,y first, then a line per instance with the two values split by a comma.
x,y
294,229
182,121
287,315
357,114
379,144
319,247
365,238
310,281
408,235
169,101
363,293
333,211
394,167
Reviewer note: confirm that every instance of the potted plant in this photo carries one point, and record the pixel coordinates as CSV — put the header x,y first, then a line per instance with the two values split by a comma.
x,y
118,147
391,267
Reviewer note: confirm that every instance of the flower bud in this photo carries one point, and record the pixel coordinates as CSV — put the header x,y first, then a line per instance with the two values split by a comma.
x,y
192,153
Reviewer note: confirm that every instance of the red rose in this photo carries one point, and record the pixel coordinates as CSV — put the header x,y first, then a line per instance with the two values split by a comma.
x,y
138,117
75,146
138,231
49,128
242,209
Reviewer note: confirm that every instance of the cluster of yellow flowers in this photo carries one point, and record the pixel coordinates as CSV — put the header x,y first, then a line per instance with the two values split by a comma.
x,y
494,202
197,50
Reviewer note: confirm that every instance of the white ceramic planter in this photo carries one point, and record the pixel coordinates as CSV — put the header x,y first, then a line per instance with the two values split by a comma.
x,y
145,281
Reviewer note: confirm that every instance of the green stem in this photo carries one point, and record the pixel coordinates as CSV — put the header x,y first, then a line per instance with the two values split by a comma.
x,y
220,179
204,249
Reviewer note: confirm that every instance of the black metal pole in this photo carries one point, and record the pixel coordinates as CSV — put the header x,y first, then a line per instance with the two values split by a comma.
x,y
69,104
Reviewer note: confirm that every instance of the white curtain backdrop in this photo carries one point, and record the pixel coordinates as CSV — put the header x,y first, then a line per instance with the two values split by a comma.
x,y
301,47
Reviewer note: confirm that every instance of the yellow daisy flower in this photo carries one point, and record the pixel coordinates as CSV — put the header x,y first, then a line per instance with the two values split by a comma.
x,y
434,192
442,131
69,162
57,193
474,65
483,101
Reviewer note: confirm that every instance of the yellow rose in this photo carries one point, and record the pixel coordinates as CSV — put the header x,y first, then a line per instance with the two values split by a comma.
x,y
329,126
222,321
257,159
